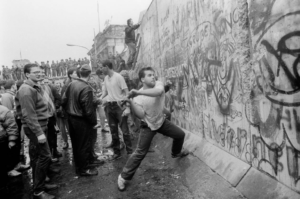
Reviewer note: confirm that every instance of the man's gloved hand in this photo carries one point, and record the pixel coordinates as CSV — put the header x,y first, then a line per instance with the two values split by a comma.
x,y
42,138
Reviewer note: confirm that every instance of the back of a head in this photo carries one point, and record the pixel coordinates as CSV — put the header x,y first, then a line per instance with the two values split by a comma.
x,y
108,64
9,83
128,21
85,71
19,83
2,83
99,72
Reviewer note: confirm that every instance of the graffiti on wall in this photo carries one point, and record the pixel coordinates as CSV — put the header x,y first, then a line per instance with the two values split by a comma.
x,y
251,110
276,97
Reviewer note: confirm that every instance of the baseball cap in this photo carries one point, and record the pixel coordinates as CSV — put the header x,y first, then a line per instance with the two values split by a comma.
x,y
85,67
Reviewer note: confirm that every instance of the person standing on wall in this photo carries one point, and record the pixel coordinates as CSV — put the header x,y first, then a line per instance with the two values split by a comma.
x,y
18,72
116,91
130,41
58,68
148,105
13,73
53,68
43,65
48,69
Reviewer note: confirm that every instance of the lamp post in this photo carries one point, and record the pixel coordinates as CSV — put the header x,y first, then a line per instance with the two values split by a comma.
x,y
78,46
81,47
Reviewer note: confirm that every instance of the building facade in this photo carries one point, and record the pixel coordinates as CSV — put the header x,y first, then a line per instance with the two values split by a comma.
x,y
109,43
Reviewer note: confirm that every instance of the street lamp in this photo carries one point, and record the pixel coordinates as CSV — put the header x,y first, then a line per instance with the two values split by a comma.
x,y
78,46
82,47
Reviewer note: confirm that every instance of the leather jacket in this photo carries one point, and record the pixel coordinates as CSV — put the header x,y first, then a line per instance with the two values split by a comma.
x,y
8,126
78,101
130,33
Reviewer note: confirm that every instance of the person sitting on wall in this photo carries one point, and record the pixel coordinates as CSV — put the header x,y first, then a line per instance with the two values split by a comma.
x,y
130,41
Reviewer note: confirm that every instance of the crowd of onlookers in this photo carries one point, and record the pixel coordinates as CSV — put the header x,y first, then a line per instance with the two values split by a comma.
x,y
53,69
35,104
33,107
40,107
60,68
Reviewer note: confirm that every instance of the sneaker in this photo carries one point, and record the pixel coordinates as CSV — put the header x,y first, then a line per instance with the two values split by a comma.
x,y
43,195
121,183
182,154
115,157
88,172
22,167
13,173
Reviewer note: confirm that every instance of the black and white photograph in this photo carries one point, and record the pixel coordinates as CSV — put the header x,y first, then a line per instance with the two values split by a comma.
x,y
150,99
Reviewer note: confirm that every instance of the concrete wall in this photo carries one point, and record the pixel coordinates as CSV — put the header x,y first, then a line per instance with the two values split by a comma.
x,y
235,69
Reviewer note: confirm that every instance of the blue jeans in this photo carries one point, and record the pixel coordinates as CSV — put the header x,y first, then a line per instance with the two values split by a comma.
x,y
146,135
114,116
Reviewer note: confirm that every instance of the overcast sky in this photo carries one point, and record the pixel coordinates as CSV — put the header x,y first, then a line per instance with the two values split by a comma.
x,y
40,29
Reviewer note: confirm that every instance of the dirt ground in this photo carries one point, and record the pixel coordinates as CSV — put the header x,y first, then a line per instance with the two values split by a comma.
x,y
157,178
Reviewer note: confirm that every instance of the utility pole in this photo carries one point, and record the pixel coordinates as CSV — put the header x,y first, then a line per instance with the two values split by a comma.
x,y
95,42
98,15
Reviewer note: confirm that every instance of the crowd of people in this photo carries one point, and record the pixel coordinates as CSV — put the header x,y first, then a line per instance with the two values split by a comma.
x,y
53,69
40,109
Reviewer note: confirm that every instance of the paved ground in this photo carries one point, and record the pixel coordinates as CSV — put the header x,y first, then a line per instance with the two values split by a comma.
x,y
157,178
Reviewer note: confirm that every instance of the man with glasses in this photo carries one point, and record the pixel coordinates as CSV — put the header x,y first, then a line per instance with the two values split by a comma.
x,y
33,110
